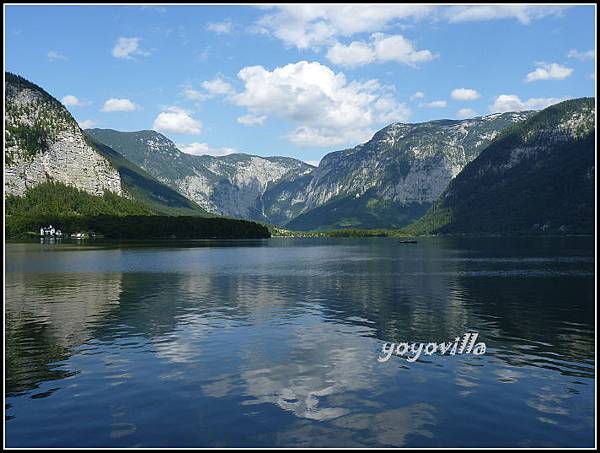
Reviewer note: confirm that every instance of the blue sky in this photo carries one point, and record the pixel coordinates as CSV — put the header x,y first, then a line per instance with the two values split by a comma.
x,y
297,81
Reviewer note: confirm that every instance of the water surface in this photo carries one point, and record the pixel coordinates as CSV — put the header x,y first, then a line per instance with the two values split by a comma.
x,y
275,343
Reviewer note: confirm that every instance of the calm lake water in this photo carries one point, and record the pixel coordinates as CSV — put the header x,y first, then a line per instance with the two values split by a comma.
x,y
275,343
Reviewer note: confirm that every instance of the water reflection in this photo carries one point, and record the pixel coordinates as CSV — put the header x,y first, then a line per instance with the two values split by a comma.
x,y
276,344
46,318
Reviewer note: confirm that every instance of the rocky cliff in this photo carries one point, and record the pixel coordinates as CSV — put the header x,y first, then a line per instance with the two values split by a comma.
x,y
392,179
44,143
232,185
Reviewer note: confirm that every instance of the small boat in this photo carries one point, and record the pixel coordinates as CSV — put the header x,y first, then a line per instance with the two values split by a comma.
x,y
412,241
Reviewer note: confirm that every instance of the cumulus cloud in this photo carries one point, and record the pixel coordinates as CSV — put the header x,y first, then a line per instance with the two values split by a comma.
x,y
434,104
86,124
118,105
582,55
127,48
54,56
417,95
323,106
217,87
252,120
71,101
466,113
177,120
512,103
202,149
464,94
548,71
357,53
220,28
381,48
314,25
210,89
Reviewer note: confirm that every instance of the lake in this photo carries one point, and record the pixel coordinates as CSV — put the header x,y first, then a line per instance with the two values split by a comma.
x,y
276,343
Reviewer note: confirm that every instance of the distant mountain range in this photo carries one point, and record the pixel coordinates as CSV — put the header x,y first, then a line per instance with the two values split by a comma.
x,y
387,182
496,173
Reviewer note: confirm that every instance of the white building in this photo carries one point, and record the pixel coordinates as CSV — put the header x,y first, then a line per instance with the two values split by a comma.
x,y
50,231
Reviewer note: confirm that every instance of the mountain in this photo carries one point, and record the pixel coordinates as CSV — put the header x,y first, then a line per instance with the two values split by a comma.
x,y
538,176
387,182
232,185
44,143
143,187
394,178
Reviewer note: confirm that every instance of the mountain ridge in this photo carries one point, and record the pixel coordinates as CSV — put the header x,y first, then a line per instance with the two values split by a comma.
x,y
388,176
44,143
537,177
231,185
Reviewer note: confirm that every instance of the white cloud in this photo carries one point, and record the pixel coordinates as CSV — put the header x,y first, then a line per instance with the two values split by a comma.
x,y
523,13
177,120
548,71
217,87
118,105
434,104
355,54
381,48
464,94
127,48
53,56
417,95
512,103
201,149
315,25
324,108
582,55
312,25
397,48
466,113
71,101
212,88
220,28
252,120
86,124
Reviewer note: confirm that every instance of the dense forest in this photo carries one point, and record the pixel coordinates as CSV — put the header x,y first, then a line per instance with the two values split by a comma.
x,y
112,216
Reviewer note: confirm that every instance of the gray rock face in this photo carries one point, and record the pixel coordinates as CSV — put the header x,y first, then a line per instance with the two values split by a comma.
x,y
406,163
232,185
44,143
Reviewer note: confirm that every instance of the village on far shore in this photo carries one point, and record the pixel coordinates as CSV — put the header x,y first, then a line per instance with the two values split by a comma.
x,y
50,232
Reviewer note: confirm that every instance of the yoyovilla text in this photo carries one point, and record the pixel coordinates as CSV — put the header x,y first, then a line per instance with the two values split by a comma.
x,y
412,351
